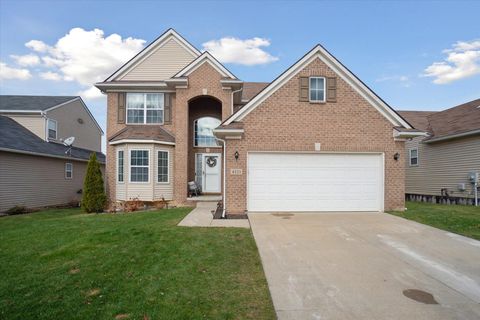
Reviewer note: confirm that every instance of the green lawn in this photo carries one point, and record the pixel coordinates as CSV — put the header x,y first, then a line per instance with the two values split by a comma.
x,y
63,264
464,220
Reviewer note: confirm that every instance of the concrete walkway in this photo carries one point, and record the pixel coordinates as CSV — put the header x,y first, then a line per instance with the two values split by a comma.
x,y
366,266
202,216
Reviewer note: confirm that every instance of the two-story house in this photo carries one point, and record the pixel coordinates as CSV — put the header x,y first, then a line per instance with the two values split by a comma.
x,y
38,166
314,139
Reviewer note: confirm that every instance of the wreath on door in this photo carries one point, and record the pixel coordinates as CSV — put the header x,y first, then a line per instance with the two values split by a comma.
x,y
212,161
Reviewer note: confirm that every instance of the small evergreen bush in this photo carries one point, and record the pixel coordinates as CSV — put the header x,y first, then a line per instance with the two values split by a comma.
x,y
94,198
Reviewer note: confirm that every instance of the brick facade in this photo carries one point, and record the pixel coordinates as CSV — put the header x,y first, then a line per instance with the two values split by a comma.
x,y
283,123
280,123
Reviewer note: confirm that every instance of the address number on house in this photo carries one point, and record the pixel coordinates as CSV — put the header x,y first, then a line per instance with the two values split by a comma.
x,y
236,172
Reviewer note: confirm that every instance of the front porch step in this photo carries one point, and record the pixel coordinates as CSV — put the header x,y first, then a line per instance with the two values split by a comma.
x,y
208,198
212,205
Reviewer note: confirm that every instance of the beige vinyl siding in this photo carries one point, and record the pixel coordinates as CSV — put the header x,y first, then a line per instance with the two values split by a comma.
x,y
87,135
443,165
145,191
35,181
34,123
162,64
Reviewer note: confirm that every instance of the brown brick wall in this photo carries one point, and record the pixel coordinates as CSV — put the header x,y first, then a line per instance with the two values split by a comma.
x,y
204,77
282,123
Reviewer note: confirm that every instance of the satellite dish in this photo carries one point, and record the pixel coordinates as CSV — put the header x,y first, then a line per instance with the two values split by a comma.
x,y
69,141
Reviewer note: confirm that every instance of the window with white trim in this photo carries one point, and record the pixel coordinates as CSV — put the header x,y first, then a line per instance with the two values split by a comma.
x,y
414,157
139,165
162,164
145,108
203,132
317,89
68,170
120,165
52,129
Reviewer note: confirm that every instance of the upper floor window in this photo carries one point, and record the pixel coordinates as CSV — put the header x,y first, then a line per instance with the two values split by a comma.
x,y
143,108
52,129
317,89
203,130
414,157
68,170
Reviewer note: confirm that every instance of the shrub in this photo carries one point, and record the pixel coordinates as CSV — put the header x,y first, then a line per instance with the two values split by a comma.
x,y
132,205
94,197
18,210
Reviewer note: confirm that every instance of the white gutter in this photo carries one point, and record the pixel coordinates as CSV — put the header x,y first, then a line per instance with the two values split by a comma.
x,y
453,136
224,197
141,141
44,155
22,111
233,92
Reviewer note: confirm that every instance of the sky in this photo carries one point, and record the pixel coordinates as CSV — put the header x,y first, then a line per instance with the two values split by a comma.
x,y
416,55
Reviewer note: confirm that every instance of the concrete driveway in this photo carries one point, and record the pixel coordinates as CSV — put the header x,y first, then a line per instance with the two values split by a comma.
x,y
366,266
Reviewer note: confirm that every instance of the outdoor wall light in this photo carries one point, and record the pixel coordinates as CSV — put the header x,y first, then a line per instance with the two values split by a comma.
x,y
236,155
396,156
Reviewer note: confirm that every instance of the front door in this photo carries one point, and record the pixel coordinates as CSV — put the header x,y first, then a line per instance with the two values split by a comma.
x,y
211,164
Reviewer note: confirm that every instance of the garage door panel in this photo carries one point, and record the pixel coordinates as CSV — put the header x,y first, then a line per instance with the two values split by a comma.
x,y
315,182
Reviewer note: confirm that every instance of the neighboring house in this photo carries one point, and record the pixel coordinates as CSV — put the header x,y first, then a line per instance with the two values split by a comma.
x,y
315,139
445,158
36,168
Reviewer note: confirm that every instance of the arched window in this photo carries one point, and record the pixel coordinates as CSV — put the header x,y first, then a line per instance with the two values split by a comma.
x,y
203,132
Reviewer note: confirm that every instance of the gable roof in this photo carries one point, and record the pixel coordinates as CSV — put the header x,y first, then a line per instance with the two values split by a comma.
x,y
205,57
39,104
251,89
17,138
460,120
32,103
167,35
325,56
419,119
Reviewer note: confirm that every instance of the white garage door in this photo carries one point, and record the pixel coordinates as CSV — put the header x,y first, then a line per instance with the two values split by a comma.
x,y
315,182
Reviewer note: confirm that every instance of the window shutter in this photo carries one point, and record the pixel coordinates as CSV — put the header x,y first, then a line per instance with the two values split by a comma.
x,y
167,108
303,94
121,108
332,89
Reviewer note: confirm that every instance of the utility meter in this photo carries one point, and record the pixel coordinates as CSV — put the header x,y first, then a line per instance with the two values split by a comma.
x,y
473,176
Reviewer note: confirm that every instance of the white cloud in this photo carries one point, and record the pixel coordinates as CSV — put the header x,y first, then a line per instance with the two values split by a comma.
x,y
10,73
26,60
91,93
403,80
462,61
49,75
87,56
36,45
247,52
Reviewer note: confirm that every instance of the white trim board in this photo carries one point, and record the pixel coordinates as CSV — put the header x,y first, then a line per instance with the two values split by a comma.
x,y
318,52
151,48
140,141
208,58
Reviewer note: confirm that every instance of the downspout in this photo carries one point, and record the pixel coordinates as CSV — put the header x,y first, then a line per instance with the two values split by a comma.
x,y
224,198
233,92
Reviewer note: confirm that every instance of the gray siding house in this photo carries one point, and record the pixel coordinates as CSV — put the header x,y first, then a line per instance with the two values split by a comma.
x,y
36,168
438,166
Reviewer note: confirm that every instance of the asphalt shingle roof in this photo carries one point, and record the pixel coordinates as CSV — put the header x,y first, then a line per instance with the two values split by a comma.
x,y
14,136
460,119
146,132
31,103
